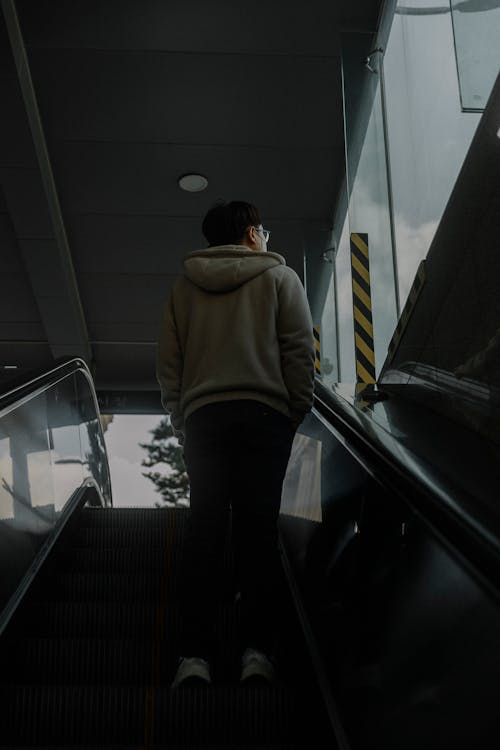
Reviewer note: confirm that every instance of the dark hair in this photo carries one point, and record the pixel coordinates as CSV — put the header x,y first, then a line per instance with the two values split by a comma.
x,y
225,223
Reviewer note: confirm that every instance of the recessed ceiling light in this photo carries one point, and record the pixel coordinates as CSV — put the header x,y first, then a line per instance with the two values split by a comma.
x,y
193,183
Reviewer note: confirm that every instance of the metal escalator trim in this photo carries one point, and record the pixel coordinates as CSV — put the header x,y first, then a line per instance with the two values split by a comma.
x,y
418,485
76,501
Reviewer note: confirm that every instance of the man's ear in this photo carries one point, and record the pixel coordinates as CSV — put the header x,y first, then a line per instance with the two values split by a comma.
x,y
250,237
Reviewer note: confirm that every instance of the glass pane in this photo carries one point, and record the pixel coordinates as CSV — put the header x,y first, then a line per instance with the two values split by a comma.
x,y
369,211
328,334
44,458
64,437
27,511
347,367
476,25
93,449
428,134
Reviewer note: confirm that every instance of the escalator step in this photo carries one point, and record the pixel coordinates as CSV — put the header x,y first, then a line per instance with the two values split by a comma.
x,y
122,559
97,644
226,714
123,536
125,559
79,619
78,661
109,619
72,715
151,517
102,587
216,716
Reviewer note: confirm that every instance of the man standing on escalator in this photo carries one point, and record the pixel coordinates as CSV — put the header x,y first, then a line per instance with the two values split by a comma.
x,y
236,370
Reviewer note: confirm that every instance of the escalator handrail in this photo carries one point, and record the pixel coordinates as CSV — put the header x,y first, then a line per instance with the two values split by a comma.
x,y
19,389
418,484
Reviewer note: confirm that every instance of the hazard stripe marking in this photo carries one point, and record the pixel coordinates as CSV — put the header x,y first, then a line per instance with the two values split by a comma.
x,y
317,348
362,270
363,321
362,309
363,296
363,374
360,243
361,345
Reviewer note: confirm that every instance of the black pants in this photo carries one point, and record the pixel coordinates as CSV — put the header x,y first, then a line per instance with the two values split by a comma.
x,y
236,454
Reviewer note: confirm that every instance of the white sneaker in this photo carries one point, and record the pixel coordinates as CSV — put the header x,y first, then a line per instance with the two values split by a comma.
x,y
192,668
256,665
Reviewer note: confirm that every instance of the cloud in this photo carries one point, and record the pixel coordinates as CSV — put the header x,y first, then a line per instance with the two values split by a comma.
x,y
130,488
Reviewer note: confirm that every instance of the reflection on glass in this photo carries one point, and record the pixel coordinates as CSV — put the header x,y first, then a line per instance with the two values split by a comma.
x,y
6,492
301,495
328,366
93,448
369,210
48,446
28,479
344,307
428,134
64,440
476,26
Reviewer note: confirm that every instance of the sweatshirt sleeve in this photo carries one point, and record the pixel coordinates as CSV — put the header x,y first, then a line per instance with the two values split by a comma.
x,y
169,369
295,337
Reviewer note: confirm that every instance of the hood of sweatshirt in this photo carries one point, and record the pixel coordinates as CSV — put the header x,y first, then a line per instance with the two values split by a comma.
x,y
224,268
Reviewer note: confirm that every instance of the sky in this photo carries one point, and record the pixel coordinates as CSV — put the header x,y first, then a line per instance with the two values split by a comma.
x,y
122,438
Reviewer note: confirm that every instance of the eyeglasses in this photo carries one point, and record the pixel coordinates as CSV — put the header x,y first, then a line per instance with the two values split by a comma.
x,y
265,233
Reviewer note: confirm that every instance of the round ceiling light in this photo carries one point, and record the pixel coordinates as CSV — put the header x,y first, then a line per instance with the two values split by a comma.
x,y
193,183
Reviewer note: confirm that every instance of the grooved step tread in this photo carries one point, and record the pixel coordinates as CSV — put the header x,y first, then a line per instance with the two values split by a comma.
x,y
126,559
100,587
88,659
218,714
160,517
108,619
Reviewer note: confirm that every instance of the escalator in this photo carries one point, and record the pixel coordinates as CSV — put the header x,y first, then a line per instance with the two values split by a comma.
x,y
87,657
389,601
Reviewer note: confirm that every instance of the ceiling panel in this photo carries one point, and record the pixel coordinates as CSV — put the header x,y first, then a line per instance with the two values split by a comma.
x,y
157,244
10,259
16,145
21,331
133,244
26,356
142,179
193,99
132,332
17,302
122,297
197,25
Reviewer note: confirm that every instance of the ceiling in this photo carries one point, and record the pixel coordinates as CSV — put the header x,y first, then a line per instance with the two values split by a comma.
x,y
114,102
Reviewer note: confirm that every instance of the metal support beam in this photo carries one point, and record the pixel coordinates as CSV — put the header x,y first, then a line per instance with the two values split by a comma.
x,y
49,264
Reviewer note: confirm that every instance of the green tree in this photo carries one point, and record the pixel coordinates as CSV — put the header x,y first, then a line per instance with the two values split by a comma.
x,y
163,449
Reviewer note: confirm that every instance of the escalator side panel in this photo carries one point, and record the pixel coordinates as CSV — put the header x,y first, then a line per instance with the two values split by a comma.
x,y
408,634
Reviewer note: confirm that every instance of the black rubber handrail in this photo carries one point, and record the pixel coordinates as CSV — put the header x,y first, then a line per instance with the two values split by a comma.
x,y
458,519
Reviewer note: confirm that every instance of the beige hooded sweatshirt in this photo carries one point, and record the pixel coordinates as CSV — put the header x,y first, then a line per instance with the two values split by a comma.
x,y
236,326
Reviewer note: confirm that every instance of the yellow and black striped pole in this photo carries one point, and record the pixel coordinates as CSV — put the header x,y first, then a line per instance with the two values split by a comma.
x,y
317,351
362,308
